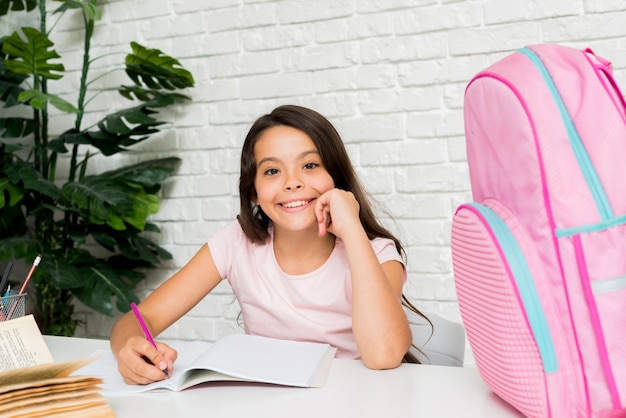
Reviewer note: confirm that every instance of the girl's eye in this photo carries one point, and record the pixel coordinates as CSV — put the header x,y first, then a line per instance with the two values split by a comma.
x,y
271,171
310,166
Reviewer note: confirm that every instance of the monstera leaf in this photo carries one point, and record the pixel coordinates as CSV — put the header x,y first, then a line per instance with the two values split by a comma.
x,y
40,100
155,69
48,203
10,82
32,56
116,132
157,98
10,89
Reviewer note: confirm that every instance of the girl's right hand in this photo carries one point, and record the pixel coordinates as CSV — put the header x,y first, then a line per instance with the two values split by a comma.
x,y
336,210
140,363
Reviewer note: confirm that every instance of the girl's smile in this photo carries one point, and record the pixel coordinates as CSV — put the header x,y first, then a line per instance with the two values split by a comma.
x,y
296,204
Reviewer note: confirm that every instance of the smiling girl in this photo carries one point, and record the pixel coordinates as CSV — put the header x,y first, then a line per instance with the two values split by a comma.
x,y
306,257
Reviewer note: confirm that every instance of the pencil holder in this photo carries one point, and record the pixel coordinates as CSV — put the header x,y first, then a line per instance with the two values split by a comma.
x,y
12,307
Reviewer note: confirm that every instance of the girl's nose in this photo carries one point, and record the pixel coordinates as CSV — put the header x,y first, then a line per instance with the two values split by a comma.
x,y
293,184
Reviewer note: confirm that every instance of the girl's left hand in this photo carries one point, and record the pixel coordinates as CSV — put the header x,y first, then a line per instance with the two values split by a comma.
x,y
336,210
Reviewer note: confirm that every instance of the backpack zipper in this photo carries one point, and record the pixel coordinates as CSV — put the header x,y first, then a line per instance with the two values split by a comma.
x,y
589,172
525,284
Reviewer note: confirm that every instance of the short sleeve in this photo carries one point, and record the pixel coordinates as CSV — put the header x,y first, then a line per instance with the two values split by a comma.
x,y
222,246
385,250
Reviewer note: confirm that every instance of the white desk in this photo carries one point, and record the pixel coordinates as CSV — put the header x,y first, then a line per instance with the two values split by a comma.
x,y
352,390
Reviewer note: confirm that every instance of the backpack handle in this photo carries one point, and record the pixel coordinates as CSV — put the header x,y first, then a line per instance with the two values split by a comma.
x,y
604,66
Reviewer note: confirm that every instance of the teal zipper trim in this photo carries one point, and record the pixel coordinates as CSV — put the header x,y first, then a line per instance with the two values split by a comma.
x,y
525,286
614,284
589,172
600,226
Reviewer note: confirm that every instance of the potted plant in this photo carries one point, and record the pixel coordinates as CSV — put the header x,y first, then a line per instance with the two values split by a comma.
x,y
91,229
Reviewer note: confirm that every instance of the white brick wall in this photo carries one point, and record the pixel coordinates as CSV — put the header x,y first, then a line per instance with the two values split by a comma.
x,y
389,74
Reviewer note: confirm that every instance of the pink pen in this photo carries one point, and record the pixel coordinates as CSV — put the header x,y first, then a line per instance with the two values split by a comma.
x,y
133,306
28,276
30,273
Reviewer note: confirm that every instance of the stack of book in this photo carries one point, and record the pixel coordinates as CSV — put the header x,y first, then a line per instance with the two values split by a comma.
x,y
32,385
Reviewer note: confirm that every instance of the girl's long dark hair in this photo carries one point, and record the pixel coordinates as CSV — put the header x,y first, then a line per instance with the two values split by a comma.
x,y
336,161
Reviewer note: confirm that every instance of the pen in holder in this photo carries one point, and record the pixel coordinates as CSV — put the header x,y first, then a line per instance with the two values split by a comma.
x,y
12,306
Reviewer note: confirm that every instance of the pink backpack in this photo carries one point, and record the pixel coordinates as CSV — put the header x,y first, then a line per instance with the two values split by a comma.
x,y
539,257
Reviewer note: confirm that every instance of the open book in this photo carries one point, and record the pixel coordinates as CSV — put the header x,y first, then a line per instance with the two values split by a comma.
x,y
236,357
32,385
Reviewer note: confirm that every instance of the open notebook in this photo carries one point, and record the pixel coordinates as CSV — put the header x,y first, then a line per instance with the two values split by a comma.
x,y
236,357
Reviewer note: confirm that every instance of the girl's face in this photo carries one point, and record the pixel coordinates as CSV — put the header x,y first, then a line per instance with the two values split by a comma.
x,y
289,178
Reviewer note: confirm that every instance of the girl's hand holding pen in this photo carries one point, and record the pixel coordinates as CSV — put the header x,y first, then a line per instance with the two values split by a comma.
x,y
140,363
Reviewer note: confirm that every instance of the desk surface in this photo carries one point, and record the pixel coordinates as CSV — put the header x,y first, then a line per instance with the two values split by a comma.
x,y
352,390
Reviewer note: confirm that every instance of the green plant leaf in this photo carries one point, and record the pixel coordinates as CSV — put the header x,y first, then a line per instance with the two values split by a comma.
x,y
155,69
152,228
147,173
10,194
130,271
92,280
31,179
117,131
16,6
57,145
16,127
10,82
108,200
89,7
102,200
145,250
156,98
60,272
110,143
144,205
9,93
7,148
101,283
65,222
17,246
125,121
132,251
71,136
39,100
104,239
31,56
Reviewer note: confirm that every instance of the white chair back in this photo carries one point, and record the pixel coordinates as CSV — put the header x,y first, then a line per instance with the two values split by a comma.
x,y
446,345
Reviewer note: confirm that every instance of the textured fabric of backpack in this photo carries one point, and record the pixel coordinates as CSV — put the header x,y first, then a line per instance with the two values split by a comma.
x,y
539,256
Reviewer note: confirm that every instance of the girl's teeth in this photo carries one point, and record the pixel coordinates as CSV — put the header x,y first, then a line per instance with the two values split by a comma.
x,y
295,204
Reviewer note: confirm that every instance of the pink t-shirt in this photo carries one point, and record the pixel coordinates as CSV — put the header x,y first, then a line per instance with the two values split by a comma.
x,y
316,306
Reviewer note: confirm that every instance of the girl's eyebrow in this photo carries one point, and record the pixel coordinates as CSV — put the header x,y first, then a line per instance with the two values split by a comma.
x,y
301,155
